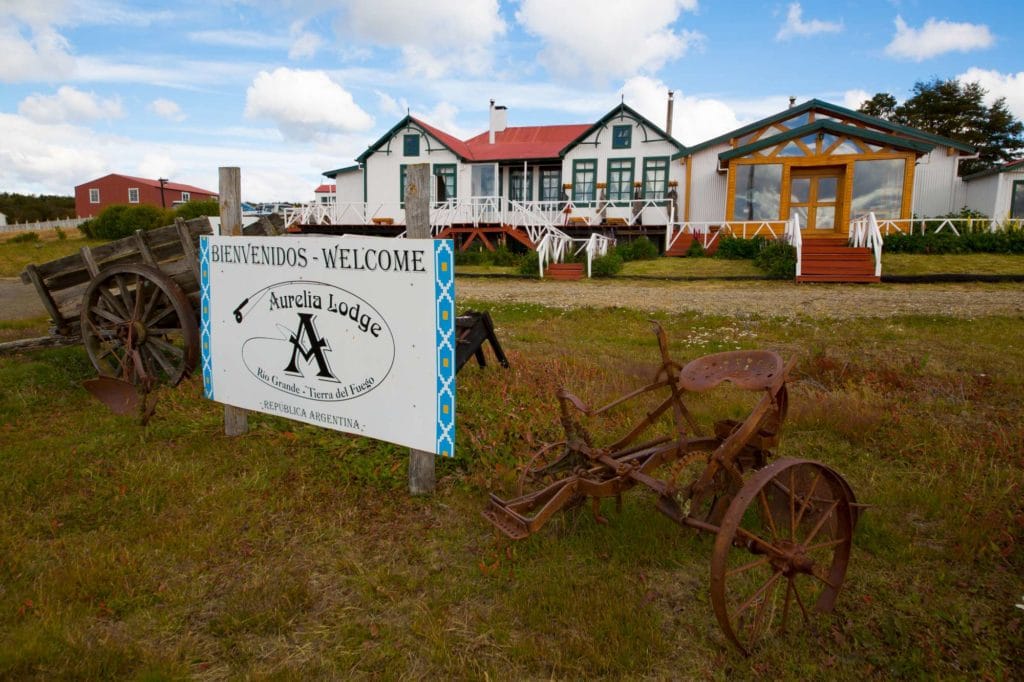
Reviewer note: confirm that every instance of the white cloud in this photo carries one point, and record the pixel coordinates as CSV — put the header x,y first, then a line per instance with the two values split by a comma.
x,y
607,39
937,37
852,99
304,44
236,38
443,116
387,104
32,53
694,119
1008,85
69,105
435,37
166,108
304,104
796,26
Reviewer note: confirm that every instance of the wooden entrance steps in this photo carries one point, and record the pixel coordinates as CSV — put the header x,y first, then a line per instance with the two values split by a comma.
x,y
830,259
564,271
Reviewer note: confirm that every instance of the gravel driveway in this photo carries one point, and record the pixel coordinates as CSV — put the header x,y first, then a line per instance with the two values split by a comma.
x,y
784,299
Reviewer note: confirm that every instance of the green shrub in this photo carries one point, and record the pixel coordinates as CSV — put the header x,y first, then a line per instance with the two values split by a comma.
x,y
61,235
777,259
530,264
696,250
503,257
115,222
606,266
1008,240
24,237
471,257
195,209
637,249
737,248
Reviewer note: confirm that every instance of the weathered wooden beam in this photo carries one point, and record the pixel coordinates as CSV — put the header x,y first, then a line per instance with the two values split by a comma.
x,y
188,249
236,419
44,296
147,253
422,479
37,343
90,262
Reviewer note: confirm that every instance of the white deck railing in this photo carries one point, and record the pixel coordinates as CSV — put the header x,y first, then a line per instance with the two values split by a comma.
x,y
796,239
866,233
888,226
707,232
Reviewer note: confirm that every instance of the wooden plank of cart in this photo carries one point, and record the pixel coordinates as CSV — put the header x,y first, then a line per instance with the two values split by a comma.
x,y
132,302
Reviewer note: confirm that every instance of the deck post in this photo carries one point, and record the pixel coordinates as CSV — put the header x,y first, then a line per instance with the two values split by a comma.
x,y
236,419
417,223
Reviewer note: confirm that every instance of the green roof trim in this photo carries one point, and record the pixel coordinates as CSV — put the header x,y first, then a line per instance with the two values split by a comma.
x,y
831,126
405,122
1017,165
618,111
338,171
835,109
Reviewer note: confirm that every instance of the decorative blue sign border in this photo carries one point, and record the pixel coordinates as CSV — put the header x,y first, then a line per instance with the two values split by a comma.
x,y
444,300
205,335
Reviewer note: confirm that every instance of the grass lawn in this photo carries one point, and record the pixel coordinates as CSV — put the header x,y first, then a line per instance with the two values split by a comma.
x,y
15,255
170,551
968,263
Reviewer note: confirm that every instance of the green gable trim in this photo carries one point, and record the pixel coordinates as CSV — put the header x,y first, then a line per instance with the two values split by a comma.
x,y
831,126
339,171
835,109
405,122
622,109
1006,168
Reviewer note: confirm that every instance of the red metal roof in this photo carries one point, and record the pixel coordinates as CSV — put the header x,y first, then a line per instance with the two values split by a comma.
x,y
324,189
453,143
176,186
524,142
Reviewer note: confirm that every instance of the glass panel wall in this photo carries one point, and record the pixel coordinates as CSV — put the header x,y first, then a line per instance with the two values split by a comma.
x,y
758,191
1017,200
878,187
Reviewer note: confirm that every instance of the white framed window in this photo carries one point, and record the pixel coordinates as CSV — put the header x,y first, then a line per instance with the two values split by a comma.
x,y
94,195
133,195
186,196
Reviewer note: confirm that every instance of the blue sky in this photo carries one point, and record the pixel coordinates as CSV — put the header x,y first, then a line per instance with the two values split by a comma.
x,y
286,90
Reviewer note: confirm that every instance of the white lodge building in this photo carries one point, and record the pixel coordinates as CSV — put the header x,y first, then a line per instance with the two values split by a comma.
x,y
823,164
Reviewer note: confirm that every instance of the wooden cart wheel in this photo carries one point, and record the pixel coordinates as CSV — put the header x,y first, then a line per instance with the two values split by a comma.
x,y
781,553
134,307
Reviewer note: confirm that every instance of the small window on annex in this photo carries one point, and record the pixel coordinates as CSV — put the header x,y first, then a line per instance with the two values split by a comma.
x,y
186,196
1017,200
94,195
444,188
550,184
515,185
622,137
411,145
878,188
133,195
758,191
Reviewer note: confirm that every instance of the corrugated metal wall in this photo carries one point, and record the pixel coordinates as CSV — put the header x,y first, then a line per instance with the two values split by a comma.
x,y
937,189
708,187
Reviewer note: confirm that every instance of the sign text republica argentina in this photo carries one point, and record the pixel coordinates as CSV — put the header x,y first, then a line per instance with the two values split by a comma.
x,y
393,259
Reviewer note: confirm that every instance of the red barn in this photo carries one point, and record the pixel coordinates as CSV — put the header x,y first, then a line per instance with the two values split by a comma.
x,y
94,196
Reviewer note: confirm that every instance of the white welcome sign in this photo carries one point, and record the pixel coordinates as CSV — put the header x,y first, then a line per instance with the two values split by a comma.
x,y
355,334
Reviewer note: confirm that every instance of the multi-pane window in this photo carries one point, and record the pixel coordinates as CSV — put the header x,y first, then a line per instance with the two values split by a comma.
x,y
186,196
622,137
516,191
94,195
411,145
1017,200
401,183
445,184
655,177
550,184
133,195
620,179
584,180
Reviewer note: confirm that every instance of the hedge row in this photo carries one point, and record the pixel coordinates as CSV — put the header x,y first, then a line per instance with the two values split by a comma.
x,y
115,222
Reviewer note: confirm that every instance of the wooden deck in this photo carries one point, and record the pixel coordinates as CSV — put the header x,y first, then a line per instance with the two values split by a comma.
x,y
830,259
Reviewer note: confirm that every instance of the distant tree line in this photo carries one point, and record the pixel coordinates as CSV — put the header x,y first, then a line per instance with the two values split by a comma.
x,y
21,208
956,110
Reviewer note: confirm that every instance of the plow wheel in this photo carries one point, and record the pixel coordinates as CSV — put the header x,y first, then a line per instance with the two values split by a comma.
x,y
138,325
781,552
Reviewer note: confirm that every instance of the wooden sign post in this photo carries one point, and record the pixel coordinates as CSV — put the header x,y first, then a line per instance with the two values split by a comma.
x,y
236,419
417,224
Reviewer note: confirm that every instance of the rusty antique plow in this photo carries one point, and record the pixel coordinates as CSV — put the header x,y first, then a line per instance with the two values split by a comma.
x,y
783,529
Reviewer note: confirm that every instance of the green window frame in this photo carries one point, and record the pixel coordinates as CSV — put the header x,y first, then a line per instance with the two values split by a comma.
x,y
447,172
411,145
584,180
402,169
1017,200
620,179
550,184
515,185
655,177
622,137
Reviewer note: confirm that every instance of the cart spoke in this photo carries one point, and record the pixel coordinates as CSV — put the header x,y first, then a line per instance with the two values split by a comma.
x,y
109,316
814,572
768,513
760,592
807,500
821,522
112,300
800,602
167,347
156,354
785,603
161,314
753,564
823,545
792,506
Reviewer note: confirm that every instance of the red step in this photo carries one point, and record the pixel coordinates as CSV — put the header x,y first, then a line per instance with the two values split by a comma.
x,y
564,271
831,259
681,247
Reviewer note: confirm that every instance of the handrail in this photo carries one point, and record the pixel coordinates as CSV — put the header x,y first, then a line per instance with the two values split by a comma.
x,y
795,238
706,232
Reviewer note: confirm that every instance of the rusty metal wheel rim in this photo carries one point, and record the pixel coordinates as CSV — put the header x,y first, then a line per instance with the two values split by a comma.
x,y
134,307
769,573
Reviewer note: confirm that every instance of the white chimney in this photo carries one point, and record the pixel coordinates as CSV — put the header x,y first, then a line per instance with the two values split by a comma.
x,y
668,115
499,120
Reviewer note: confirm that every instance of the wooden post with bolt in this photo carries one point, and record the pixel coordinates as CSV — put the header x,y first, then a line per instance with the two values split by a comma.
x,y
236,419
417,226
